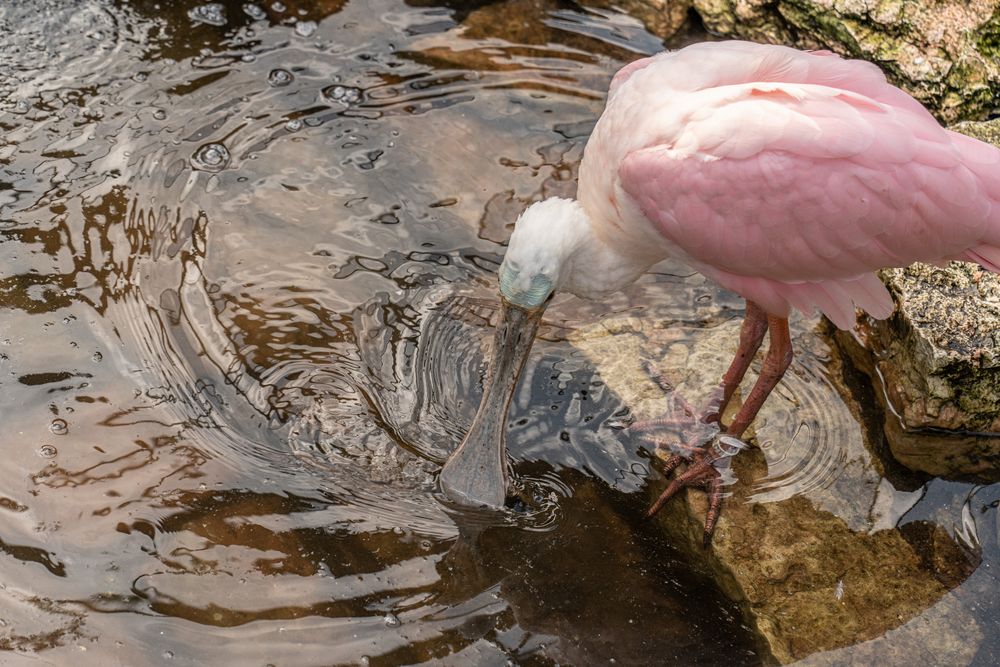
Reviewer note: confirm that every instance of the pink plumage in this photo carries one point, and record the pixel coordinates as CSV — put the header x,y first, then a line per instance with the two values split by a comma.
x,y
787,176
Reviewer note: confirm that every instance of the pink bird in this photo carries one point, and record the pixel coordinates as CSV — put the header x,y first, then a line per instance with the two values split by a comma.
x,y
788,177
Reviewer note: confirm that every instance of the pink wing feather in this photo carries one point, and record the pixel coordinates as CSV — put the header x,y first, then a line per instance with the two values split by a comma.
x,y
792,192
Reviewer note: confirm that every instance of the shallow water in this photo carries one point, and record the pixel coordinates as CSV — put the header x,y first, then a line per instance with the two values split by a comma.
x,y
249,258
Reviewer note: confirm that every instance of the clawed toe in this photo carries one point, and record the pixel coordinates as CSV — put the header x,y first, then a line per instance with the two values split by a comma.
x,y
703,472
695,437
700,474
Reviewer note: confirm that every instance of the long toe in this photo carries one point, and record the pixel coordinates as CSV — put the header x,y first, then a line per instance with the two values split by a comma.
x,y
714,492
667,494
700,473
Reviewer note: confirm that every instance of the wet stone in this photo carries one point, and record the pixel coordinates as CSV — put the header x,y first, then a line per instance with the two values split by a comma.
x,y
661,17
809,563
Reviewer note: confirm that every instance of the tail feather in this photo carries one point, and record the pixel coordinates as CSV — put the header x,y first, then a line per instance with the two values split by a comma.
x,y
986,256
871,295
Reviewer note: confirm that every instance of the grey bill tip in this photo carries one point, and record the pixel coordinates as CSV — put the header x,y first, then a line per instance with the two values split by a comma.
x,y
477,472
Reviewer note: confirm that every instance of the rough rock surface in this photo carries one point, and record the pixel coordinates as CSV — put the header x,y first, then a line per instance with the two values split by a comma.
x,y
945,53
936,362
808,542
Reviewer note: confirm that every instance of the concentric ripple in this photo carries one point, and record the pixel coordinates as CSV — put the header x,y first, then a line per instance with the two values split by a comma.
x,y
249,283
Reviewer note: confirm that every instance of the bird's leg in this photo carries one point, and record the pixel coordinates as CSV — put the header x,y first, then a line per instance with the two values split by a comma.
x,y
776,362
703,470
752,332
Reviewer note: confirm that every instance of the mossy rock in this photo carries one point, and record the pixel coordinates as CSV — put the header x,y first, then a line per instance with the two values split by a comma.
x,y
944,53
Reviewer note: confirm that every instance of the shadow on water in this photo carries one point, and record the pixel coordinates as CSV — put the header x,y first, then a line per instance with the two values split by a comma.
x,y
248,277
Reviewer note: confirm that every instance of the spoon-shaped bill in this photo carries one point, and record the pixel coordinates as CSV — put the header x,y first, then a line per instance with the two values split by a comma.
x,y
477,472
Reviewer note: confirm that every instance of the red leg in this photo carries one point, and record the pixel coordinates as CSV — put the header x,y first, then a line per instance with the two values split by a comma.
x,y
755,324
702,471
776,362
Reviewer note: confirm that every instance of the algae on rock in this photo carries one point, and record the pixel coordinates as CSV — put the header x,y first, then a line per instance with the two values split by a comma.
x,y
944,53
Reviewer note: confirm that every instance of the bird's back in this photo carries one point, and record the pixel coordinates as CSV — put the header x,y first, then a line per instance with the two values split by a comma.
x,y
787,176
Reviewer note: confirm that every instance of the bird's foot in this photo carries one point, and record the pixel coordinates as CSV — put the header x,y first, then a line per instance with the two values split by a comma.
x,y
695,437
707,469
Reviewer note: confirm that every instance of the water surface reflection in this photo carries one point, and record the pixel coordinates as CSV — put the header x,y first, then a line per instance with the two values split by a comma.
x,y
244,266
248,271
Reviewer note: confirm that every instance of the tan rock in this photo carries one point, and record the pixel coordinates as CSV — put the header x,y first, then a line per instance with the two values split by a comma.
x,y
807,542
661,17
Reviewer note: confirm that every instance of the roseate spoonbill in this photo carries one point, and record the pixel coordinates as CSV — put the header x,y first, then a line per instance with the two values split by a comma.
x,y
788,177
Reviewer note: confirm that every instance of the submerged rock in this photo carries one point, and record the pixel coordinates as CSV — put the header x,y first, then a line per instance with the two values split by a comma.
x,y
661,17
944,53
808,542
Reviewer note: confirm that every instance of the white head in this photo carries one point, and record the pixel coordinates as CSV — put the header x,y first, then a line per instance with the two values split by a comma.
x,y
538,256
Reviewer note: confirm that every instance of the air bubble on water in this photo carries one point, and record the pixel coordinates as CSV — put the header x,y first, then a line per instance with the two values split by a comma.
x,y
22,107
59,427
48,451
294,125
305,28
391,620
342,94
212,13
168,654
248,57
278,6
140,77
97,357
159,114
279,77
211,157
255,12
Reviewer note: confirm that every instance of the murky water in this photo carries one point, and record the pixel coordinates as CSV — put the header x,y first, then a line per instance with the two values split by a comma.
x,y
248,266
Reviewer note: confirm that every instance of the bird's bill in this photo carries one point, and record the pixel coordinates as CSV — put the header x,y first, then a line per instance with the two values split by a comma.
x,y
477,473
